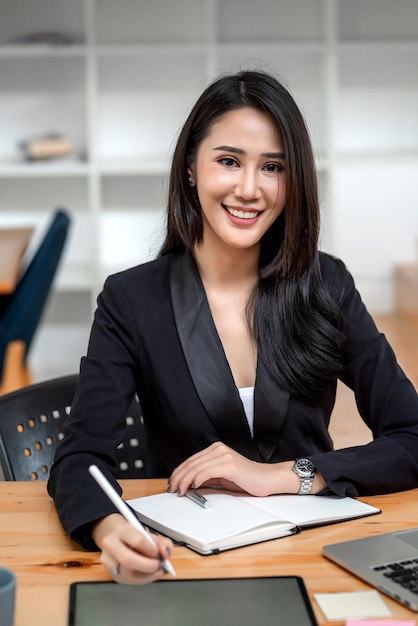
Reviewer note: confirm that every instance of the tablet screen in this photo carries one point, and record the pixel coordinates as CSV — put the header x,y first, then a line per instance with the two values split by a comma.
x,y
281,601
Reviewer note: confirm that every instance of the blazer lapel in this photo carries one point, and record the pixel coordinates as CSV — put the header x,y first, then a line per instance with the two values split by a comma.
x,y
205,357
211,374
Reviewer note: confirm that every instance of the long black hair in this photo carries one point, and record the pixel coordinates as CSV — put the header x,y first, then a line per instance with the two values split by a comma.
x,y
296,322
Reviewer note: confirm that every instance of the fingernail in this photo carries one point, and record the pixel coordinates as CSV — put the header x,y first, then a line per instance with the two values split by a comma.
x,y
168,551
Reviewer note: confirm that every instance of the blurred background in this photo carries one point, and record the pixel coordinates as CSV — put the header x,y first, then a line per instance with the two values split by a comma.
x,y
94,92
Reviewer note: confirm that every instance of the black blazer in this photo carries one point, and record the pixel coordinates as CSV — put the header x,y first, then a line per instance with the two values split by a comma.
x,y
153,333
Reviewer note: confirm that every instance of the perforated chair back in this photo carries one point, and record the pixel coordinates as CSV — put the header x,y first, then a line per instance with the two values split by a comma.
x,y
31,422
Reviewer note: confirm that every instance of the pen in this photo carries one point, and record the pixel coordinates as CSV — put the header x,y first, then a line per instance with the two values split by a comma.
x,y
124,510
198,498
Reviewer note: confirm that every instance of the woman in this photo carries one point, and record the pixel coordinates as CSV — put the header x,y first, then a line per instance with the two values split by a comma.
x,y
234,338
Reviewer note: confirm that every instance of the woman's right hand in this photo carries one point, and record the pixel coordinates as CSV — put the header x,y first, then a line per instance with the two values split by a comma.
x,y
127,554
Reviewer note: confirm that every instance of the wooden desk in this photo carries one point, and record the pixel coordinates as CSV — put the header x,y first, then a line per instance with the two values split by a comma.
x,y
46,561
13,243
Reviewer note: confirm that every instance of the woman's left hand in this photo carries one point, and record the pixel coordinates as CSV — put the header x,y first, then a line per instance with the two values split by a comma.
x,y
221,466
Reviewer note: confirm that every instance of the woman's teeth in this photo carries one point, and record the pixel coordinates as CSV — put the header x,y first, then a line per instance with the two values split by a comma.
x,y
246,215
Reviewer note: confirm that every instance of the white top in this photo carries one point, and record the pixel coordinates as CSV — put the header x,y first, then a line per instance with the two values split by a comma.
x,y
247,398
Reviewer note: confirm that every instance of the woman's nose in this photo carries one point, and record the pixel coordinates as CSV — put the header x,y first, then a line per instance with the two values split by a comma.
x,y
248,185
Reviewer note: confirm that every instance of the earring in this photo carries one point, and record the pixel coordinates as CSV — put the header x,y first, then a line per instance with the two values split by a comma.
x,y
191,182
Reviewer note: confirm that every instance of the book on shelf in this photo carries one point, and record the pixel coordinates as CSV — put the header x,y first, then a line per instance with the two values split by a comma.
x,y
233,519
50,146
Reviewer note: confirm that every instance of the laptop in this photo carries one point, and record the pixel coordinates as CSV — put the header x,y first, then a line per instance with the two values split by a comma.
x,y
281,600
388,561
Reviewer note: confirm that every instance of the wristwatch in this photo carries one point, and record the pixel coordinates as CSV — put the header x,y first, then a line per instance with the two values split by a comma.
x,y
306,472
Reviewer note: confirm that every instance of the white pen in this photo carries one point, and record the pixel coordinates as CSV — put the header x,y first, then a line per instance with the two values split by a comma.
x,y
124,510
197,497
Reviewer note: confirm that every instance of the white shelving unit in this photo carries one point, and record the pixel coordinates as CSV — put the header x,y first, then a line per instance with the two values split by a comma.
x,y
122,89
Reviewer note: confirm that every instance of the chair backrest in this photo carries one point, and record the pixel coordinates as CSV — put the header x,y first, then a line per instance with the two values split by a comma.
x,y
21,311
31,421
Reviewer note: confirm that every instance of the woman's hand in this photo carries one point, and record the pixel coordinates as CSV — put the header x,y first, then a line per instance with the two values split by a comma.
x,y
127,554
219,465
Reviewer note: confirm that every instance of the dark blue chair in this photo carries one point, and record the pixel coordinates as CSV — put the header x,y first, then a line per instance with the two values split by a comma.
x,y
21,312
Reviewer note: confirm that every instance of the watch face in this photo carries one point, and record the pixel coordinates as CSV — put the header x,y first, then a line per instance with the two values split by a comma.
x,y
305,467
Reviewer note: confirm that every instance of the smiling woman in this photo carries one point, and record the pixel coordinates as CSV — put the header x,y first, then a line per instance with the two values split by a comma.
x,y
233,339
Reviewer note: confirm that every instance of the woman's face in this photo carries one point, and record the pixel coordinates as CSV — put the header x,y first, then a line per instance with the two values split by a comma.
x,y
239,171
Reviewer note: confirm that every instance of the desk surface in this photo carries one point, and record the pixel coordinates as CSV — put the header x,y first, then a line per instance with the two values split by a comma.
x,y
13,244
46,561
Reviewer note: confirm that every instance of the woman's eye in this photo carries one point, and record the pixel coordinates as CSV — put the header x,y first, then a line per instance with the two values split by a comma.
x,y
228,161
274,167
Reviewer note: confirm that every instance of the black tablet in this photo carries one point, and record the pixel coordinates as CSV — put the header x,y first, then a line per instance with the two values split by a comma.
x,y
282,601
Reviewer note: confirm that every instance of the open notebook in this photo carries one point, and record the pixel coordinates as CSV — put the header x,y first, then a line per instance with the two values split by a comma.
x,y
235,520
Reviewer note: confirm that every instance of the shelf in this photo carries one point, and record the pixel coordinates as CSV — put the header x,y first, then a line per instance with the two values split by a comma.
x,y
151,164
159,21
275,20
151,50
379,20
128,198
40,51
387,45
124,88
35,169
397,156
74,278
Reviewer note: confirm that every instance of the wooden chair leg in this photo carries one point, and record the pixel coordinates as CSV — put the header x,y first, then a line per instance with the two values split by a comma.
x,y
16,374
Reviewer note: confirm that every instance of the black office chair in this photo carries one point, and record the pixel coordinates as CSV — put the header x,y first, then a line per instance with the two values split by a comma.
x,y
31,421
21,311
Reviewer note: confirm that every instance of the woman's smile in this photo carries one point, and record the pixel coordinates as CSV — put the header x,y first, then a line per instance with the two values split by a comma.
x,y
241,213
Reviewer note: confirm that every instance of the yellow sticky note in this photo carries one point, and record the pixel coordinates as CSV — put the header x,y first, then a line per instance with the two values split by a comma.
x,y
353,604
